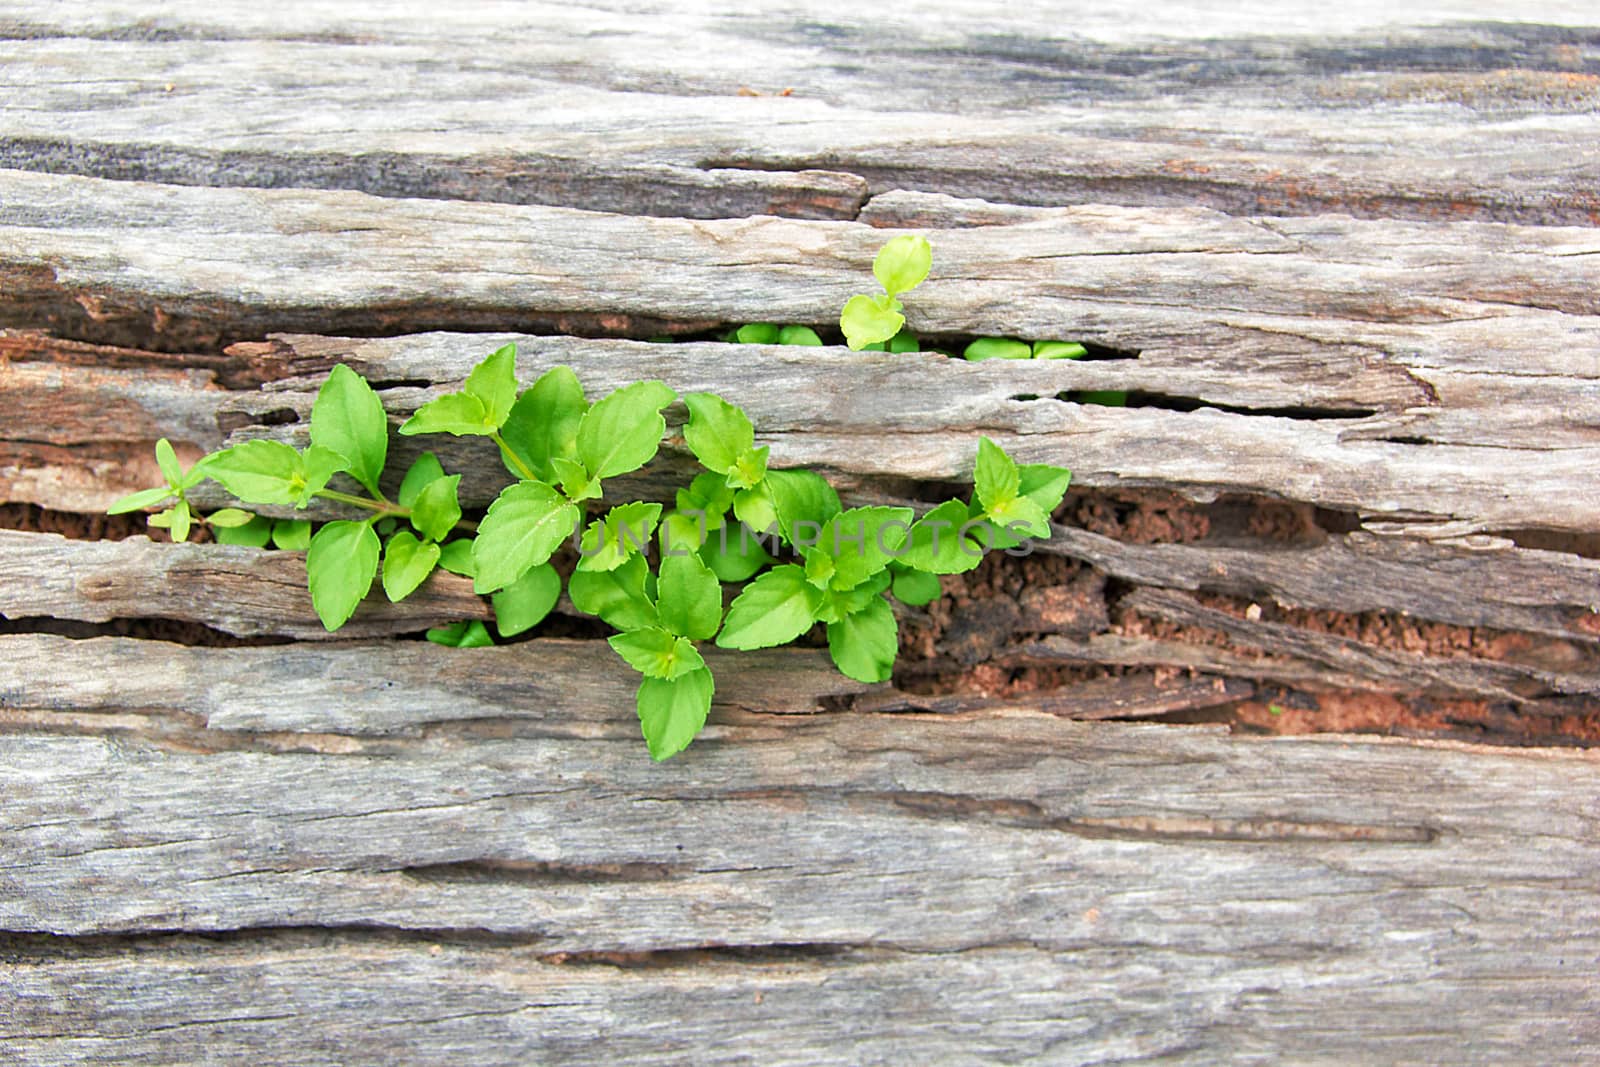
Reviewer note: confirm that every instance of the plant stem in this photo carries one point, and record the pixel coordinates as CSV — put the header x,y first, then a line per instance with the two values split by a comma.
x,y
383,507
512,458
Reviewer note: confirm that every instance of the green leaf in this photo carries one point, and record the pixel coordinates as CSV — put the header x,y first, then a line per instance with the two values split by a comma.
x,y
756,508
543,423
456,557
1021,517
672,712
864,644
317,465
1043,484
348,420
144,498
710,494
179,520
656,653
423,470
575,480
734,553
717,432
757,333
253,534
622,432
914,587
937,545
340,566
260,472
472,634
494,384
859,543
406,562
774,609
904,341
803,501
524,603
228,517
436,510
618,597
525,524
167,460
453,413
1058,350
799,335
902,263
689,597
995,476
868,320
624,531
997,348
291,535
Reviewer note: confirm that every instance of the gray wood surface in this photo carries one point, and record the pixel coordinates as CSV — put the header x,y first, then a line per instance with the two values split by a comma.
x,y
1346,258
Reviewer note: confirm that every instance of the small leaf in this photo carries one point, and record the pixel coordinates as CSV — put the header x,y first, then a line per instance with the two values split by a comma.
x,y
618,597
656,653
228,518
436,510
167,460
672,713
1058,350
254,534
803,501
318,464
860,542
734,553
937,543
524,603
494,383
260,472
717,432
799,335
472,634
914,587
575,480
904,341
543,423
902,263
622,432
452,413
624,531
868,320
144,498
340,566
348,419
774,609
864,644
758,333
292,535
181,520
997,348
406,563
423,470
1021,517
755,508
995,476
456,557
689,597
1043,484
525,524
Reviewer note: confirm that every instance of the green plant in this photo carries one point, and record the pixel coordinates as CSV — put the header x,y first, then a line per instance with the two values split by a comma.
x,y
805,558
900,266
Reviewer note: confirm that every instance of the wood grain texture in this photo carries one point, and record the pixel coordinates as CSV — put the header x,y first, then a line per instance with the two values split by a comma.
x,y
1434,112
1195,894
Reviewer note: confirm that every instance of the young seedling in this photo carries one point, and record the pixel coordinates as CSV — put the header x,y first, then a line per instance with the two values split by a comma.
x,y
900,266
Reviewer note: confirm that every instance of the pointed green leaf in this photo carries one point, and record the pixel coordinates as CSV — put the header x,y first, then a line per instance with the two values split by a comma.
x,y
656,653
348,419
938,545
672,713
291,535
1021,517
406,562
167,460
623,531
260,472
543,423
456,557
253,534
526,602
865,643
618,596
436,510
1043,484
575,480
995,476
803,502
860,542
228,517
622,432
902,263
717,432
868,320
424,469
453,413
494,383
318,464
689,597
472,634
340,566
181,520
774,609
756,508
144,498
525,524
